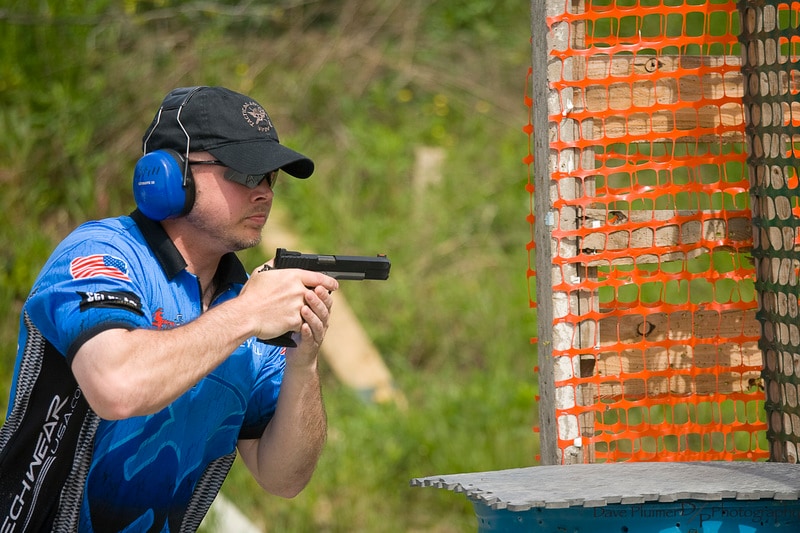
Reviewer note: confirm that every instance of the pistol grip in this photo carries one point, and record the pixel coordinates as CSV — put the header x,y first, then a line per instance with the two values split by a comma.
x,y
284,340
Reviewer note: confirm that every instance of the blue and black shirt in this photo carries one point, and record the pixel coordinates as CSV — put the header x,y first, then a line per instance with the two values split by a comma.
x,y
62,468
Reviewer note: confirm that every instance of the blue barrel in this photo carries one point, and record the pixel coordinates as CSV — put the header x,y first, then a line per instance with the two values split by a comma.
x,y
689,516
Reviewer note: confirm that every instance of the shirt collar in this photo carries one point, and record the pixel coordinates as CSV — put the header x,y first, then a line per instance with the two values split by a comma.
x,y
229,271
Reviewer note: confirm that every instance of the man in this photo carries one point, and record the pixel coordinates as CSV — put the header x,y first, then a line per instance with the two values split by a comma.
x,y
140,367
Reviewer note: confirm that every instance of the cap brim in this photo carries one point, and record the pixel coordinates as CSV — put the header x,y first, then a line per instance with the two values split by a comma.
x,y
260,157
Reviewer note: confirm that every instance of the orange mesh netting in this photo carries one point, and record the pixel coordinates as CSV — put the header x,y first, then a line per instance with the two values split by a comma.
x,y
654,336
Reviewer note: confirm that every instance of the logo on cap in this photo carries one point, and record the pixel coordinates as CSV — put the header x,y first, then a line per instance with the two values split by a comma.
x,y
257,117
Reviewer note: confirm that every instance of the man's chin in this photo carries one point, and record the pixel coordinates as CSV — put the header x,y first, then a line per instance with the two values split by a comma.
x,y
245,244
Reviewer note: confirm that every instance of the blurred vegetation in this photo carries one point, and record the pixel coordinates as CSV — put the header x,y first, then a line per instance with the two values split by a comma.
x,y
359,86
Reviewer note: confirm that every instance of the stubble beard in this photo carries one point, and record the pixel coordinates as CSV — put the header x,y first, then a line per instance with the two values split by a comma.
x,y
227,236
241,244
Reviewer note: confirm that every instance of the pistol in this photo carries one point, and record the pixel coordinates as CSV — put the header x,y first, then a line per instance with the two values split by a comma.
x,y
340,267
354,267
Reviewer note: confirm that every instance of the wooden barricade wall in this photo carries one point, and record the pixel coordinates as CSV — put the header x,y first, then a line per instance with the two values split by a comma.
x,y
640,254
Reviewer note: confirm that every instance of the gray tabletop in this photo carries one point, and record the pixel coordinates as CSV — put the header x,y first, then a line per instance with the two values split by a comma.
x,y
597,485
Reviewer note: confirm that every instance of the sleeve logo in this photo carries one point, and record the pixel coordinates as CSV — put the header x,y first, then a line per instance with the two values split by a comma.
x,y
111,300
98,265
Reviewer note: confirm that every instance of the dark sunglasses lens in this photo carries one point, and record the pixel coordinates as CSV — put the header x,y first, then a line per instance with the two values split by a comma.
x,y
250,180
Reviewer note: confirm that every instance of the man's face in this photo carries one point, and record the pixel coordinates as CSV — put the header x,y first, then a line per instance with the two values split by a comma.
x,y
225,211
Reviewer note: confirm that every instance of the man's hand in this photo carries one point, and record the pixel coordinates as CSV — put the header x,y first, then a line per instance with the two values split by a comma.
x,y
315,314
289,300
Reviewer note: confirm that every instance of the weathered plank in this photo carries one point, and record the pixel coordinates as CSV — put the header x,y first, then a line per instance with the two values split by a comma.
x,y
697,97
666,230
712,360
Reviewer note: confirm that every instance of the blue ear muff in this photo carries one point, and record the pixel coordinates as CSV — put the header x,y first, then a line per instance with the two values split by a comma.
x,y
160,188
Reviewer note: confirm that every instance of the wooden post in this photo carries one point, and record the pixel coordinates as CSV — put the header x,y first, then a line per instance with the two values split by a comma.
x,y
540,92
563,335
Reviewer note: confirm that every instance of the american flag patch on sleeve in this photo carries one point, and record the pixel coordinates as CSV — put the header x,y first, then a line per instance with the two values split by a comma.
x,y
96,265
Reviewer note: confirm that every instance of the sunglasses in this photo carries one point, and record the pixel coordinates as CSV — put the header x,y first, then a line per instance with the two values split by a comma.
x,y
249,180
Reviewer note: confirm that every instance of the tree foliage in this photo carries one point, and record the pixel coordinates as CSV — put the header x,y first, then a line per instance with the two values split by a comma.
x,y
360,86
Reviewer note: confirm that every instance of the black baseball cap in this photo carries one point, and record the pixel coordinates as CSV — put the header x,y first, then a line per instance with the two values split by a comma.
x,y
232,127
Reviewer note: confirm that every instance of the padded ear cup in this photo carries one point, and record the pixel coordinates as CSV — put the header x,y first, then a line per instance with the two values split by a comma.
x,y
158,185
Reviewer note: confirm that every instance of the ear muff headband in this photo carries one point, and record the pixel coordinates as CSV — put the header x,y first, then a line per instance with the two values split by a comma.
x,y
163,186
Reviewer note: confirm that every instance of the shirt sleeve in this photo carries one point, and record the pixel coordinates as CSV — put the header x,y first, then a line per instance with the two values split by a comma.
x,y
86,287
270,364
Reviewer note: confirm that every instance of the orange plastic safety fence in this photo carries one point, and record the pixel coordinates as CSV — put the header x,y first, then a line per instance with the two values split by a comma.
x,y
655,339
